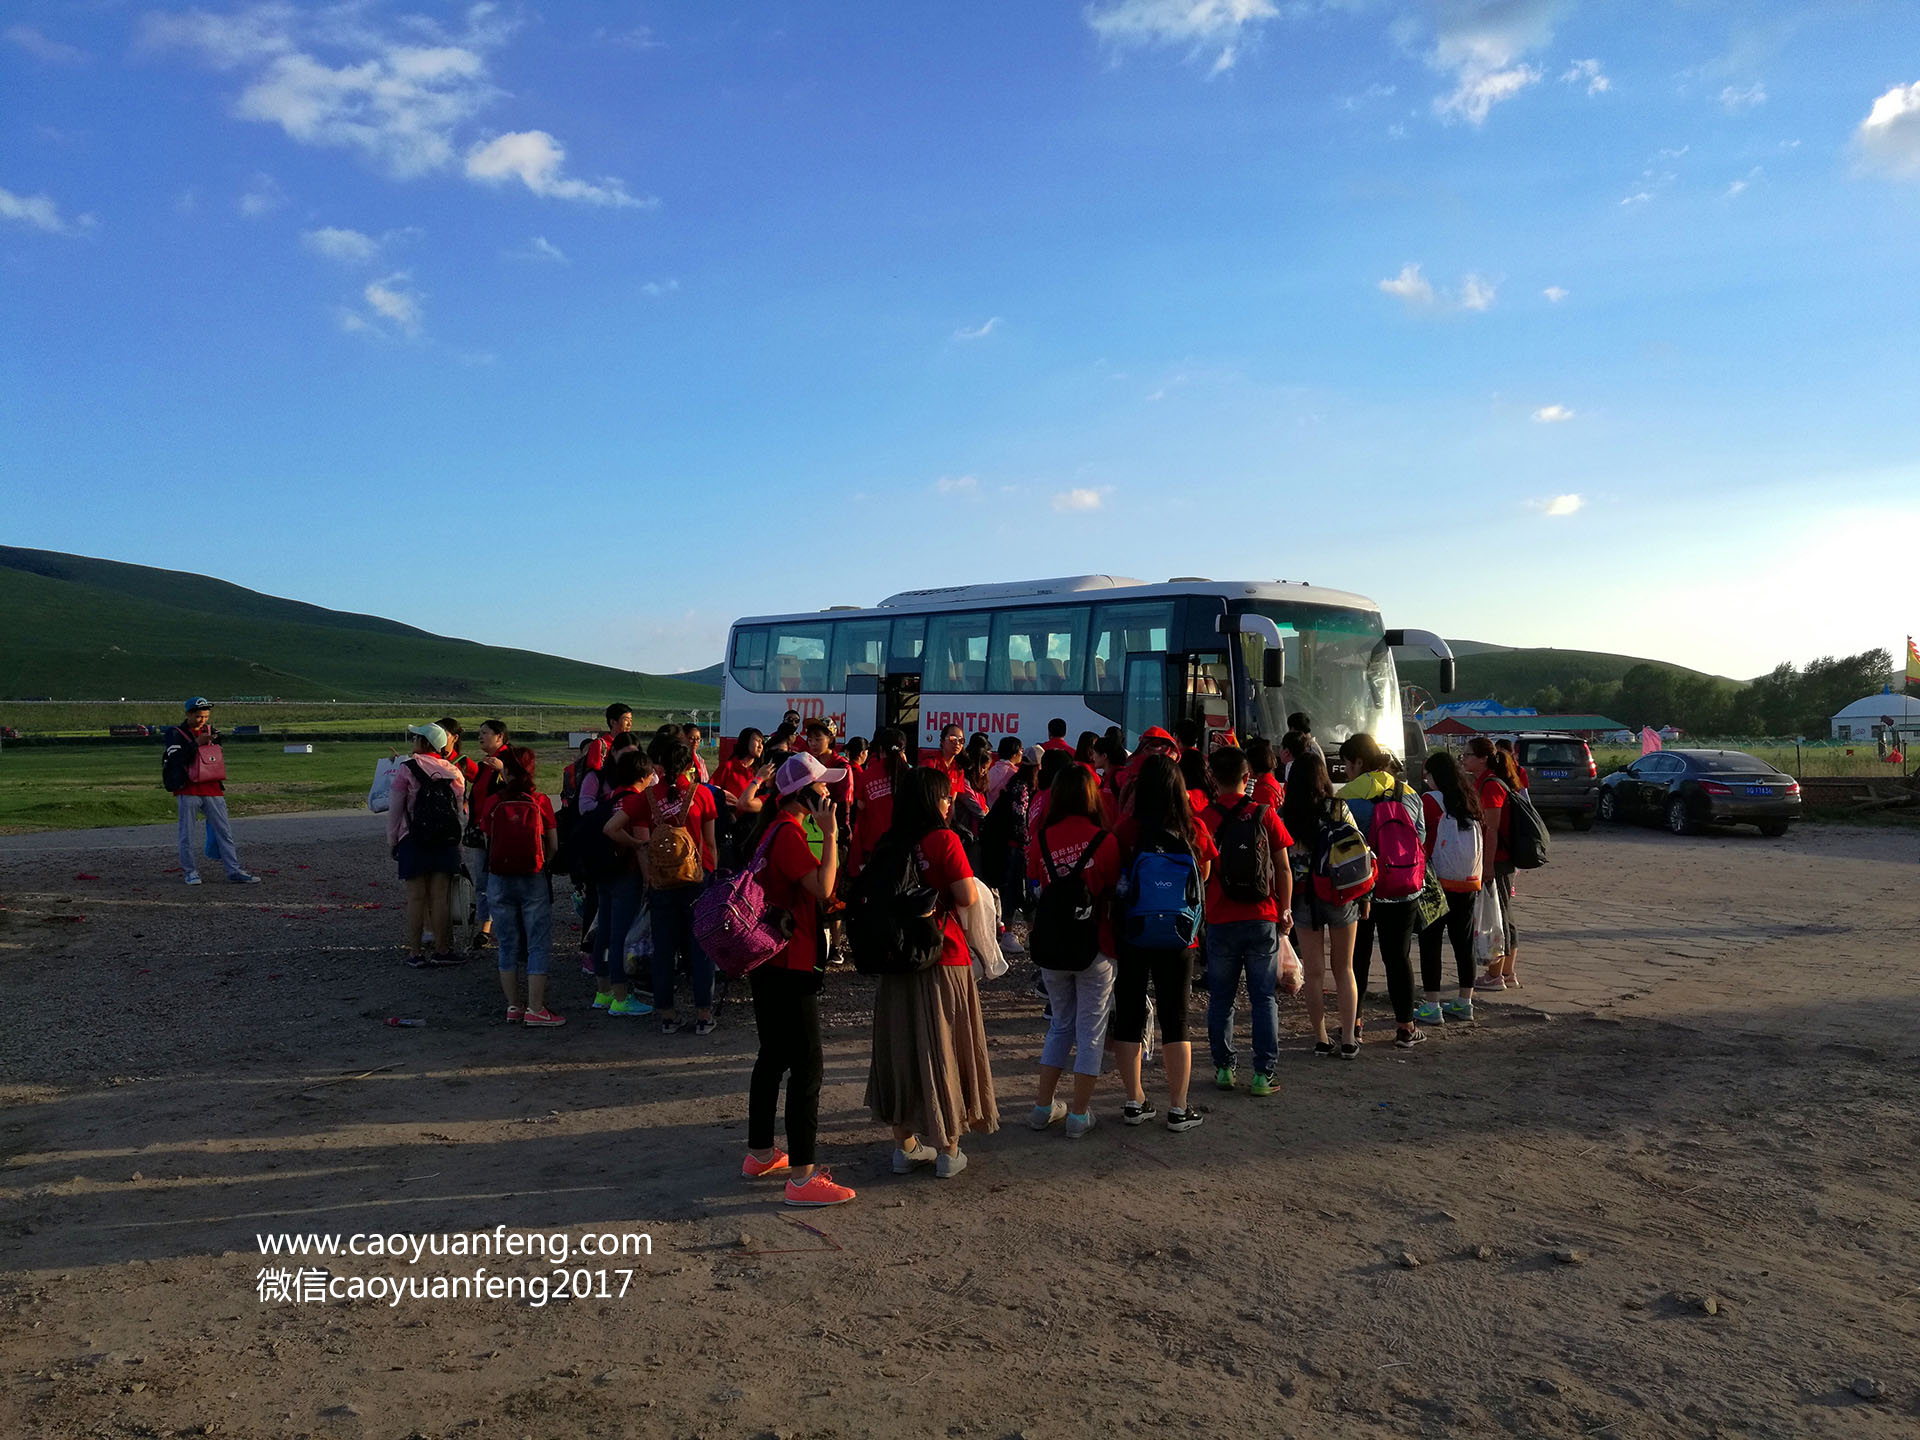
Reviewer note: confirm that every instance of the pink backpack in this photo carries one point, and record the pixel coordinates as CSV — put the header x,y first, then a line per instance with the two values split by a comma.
x,y
1395,840
735,923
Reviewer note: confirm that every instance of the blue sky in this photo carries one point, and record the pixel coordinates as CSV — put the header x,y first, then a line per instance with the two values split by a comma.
x,y
1544,323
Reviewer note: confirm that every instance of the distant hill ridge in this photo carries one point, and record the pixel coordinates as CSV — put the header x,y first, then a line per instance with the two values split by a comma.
x,y
81,628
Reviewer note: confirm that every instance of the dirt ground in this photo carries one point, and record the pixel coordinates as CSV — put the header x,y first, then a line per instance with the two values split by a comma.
x,y
1667,1189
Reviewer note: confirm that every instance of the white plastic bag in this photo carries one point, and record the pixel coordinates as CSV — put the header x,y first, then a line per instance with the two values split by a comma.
x,y
382,789
981,921
636,951
1293,974
1489,926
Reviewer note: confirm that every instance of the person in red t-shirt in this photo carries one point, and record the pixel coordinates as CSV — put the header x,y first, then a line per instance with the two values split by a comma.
x,y
620,897
473,845
1153,741
619,722
1081,1000
1493,774
1160,818
204,797
1244,931
873,795
676,799
738,771
946,759
1520,780
1056,737
930,1079
1267,790
786,990
522,901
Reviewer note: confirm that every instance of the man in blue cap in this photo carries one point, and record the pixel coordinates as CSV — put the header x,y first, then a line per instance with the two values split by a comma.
x,y
195,773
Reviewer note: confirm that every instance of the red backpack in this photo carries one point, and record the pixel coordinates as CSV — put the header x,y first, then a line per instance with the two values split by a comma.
x,y
1395,842
514,834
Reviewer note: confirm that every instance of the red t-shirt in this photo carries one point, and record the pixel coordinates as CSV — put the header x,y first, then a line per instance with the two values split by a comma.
x,y
789,861
657,805
1056,745
1493,806
1268,791
734,778
1222,909
875,811
1062,844
1204,851
942,863
468,768
480,796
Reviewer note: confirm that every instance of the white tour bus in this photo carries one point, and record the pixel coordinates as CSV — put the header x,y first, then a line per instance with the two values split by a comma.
x,y
1093,650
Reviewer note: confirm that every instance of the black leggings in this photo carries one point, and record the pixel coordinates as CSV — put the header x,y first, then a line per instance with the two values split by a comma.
x,y
1393,924
786,1012
1171,974
1456,925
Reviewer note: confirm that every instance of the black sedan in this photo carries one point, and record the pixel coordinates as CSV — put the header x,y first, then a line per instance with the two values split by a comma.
x,y
1686,789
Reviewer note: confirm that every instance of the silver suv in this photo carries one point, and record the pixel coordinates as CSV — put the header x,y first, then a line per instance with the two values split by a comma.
x,y
1561,775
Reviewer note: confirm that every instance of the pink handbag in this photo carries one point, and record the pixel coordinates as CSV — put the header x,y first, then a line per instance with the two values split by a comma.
x,y
208,765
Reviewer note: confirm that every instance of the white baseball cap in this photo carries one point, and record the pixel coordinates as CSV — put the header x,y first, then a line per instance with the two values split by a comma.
x,y
801,771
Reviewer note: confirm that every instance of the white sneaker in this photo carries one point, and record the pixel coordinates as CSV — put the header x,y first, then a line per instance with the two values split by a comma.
x,y
1078,1125
1045,1115
948,1166
905,1160
193,879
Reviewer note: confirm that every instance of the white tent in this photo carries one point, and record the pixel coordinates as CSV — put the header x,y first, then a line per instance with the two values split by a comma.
x,y
1866,718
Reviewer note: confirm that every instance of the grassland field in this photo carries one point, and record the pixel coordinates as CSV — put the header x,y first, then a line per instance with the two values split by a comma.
x,y
300,719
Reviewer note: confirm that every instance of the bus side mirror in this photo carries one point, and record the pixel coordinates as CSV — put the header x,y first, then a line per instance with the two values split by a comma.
x,y
1273,669
1446,676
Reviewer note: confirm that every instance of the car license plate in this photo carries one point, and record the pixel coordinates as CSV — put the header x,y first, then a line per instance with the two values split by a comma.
x,y
1555,774
1759,789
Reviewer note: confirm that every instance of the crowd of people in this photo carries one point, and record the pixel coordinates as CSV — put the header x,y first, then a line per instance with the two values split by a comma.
x,y
1193,864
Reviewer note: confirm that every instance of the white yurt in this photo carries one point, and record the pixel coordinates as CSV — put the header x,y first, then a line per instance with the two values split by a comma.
x,y
1867,717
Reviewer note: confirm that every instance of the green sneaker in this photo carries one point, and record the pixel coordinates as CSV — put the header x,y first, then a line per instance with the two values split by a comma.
x,y
1427,1013
1265,1084
602,999
1458,1009
630,1006
1223,1078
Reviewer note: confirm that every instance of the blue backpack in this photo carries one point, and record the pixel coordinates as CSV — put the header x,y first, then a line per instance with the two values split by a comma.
x,y
1163,896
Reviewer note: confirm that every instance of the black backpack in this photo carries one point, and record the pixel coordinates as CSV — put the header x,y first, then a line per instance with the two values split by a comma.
x,y
591,857
1526,832
1066,925
894,921
1246,853
433,815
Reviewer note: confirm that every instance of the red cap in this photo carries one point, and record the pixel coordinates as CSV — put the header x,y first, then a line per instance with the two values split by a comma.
x,y
1154,732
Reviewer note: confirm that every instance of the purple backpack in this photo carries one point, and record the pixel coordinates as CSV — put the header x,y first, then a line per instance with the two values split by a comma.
x,y
1395,841
735,923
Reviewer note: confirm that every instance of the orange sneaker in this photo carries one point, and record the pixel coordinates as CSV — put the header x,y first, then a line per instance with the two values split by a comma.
x,y
753,1169
820,1190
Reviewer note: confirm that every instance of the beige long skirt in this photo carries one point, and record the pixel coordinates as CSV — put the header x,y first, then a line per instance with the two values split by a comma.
x,y
930,1071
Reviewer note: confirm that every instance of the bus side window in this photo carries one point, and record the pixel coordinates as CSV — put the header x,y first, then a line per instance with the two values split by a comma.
x,y
1038,650
750,658
800,658
956,654
1120,630
859,648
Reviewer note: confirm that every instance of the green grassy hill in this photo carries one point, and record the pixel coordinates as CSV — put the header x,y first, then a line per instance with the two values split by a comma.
x,y
1513,677
84,629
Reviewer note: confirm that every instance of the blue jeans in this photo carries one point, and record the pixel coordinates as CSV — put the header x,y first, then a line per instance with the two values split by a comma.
x,y
1252,947
672,937
1082,1003
219,829
620,900
522,921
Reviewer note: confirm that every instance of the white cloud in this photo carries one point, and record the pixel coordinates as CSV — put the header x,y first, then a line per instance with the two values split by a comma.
x,y
42,213
657,288
1193,25
635,37
1888,140
1554,293
1734,100
1411,286
262,197
535,158
1476,293
1559,505
43,47
1375,91
1079,501
1416,292
1589,72
349,247
977,332
1639,197
1553,415
541,248
393,300
1479,43
401,96
957,485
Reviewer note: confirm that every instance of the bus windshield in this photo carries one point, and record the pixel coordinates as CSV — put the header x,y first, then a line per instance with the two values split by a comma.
x,y
1338,672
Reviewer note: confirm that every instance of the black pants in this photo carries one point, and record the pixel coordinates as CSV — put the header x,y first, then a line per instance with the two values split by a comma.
x,y
786,1013
1455,926
1170,972
1393,924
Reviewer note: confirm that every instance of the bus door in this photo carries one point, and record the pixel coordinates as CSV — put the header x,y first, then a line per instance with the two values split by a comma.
x,y
1207,694
863,706
1146,695
900,704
